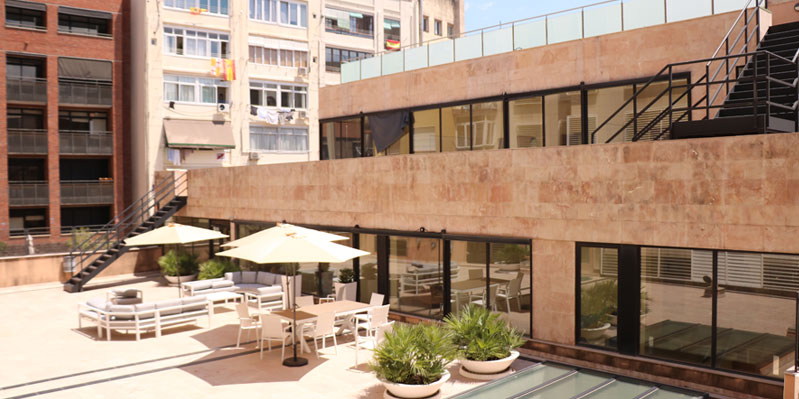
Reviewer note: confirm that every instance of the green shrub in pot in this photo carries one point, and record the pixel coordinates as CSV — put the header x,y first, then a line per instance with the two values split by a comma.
x,y
481,335
216,268
175,264
414,354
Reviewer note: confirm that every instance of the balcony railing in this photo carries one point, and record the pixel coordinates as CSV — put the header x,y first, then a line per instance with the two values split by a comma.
x,y
84,192
77,142
34,231
27,141
24,193
26,89
85,93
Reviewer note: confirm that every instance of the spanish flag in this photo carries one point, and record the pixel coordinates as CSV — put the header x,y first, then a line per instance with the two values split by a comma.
x,y
197,10
222,68
392,44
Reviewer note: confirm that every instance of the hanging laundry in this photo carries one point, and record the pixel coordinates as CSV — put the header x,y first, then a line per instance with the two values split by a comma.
x,y
173,155
268,115
253,110
222,68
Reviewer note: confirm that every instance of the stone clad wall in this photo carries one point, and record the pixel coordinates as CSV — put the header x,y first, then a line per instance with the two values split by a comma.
x,y
737,193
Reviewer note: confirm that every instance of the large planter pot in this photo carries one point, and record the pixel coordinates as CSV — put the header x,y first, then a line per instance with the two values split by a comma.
x,y
349,291
489,366
407,391
594,334
174,281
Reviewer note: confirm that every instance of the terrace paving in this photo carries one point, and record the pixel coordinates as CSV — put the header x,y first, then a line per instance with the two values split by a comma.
x,y
44,352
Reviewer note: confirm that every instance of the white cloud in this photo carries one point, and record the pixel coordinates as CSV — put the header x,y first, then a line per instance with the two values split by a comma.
x,y
486,5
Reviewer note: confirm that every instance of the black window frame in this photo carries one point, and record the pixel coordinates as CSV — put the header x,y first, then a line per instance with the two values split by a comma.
x,y
41,24
343,55
66,24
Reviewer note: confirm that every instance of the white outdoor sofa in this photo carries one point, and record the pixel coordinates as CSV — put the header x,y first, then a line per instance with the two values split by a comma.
x,y
144,316
264,290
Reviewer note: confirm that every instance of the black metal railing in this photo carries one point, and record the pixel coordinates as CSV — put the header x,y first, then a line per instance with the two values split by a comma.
x,y
116,230
26,89
85,93
85,192
744,34
24,193
34,231
27,141
78,142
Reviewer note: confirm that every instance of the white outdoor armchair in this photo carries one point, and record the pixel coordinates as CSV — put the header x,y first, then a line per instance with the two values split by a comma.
x,y
274,328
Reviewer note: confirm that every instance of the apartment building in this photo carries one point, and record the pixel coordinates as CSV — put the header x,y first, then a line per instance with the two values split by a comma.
x,y
235,82
360,29
64,119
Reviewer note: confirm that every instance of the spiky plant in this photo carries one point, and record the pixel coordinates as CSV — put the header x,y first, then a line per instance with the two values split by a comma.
x,y
216,268
414,354
481,335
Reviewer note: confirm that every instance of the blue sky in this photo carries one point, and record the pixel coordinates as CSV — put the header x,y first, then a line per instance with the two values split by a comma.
x,y
483,13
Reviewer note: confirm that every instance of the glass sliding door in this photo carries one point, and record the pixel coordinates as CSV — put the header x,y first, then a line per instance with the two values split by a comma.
x,y
599,290
468,266
455,122
676,305
426,128
487,126
526,122
509,270
563,119
368,267
416,276
318,278
602,103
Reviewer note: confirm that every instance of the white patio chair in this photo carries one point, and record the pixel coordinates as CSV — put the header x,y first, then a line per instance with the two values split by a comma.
x,y
372,342
322,329
246,322
375,318
491,297
511,291
303,301
274,328
375,300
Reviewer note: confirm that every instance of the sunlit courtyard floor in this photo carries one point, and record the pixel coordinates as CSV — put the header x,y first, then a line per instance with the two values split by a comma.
x,y
43,352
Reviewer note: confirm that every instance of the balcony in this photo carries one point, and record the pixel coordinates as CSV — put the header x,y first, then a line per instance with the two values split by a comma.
x,y
87,192
27,141
78,142
28,193
85,93
26,89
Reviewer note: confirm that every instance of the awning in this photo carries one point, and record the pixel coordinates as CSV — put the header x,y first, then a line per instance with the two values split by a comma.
x,y
181,133
276,44
26,5
77,68
81,12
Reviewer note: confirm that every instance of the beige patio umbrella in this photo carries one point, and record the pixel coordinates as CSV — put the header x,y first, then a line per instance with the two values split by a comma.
x,y
174,234
283,229
293,248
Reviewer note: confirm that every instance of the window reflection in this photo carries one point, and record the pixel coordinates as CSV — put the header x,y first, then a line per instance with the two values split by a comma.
x,y
510,271
455,128
563,121
487,126
598,295
318,278
526,120
368,266
416,273
426,131
602,103
401,146
341,139
651,103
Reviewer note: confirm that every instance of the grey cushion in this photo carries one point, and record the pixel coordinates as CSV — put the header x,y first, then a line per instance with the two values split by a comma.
x,y
264,278
168,304
249,277
248,287
129,293
127,301
148,308
222,284
122,308
98,303
203,285
274,279
235,277
193,303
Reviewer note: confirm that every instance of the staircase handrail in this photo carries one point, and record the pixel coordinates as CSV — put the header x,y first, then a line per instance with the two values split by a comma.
x,y
99,241
708,80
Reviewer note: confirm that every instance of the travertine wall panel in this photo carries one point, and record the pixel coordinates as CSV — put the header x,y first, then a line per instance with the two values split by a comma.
x,y
735,193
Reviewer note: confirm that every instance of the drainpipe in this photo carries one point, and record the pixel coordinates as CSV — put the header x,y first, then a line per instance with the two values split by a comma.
x,y
421,23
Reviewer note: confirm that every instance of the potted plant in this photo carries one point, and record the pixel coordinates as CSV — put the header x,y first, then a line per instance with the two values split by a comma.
x,y
216,268
412,360
346,281
511,256
486,344
178,268
324,280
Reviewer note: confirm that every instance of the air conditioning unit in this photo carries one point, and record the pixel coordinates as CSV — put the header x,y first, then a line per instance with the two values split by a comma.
x,y
302,71
302,114
221,107
254,156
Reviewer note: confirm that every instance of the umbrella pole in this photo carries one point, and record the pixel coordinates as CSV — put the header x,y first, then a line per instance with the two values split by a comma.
x,y
294,361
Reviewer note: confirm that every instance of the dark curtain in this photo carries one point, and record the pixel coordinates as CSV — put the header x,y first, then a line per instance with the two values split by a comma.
x,y
388,127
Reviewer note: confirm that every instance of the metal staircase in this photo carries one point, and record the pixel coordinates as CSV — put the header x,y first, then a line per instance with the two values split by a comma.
x,y
749,86
150,211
